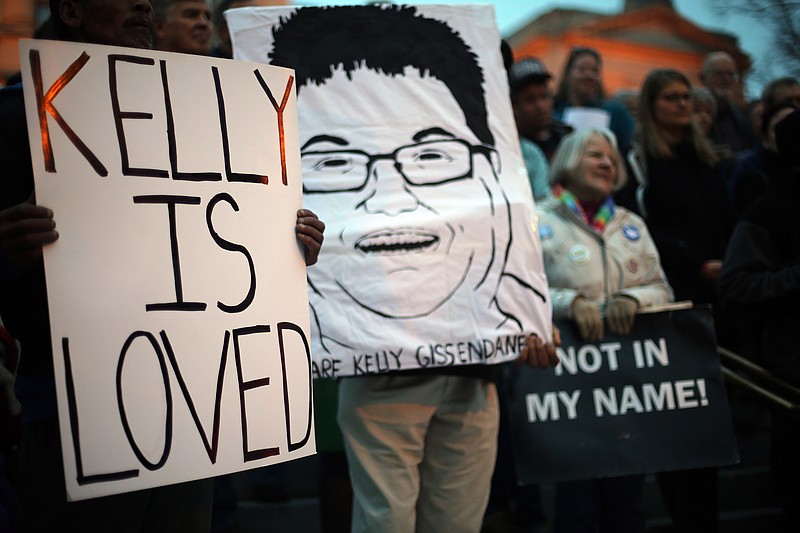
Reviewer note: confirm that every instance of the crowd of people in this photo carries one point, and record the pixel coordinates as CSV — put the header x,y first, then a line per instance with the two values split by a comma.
x,y
684,193
701,163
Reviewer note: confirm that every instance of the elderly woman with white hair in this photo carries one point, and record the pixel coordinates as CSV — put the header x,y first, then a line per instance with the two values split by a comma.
x,y
602,267
599,257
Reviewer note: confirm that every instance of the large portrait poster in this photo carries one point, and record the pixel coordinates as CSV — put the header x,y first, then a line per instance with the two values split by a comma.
x,y
651,401
411,157
177,291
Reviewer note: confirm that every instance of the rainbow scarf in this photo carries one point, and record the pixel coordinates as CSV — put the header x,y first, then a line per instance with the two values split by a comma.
x,y
601,218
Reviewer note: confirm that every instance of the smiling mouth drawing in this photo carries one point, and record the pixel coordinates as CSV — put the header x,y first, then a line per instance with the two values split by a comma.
x,y
397,242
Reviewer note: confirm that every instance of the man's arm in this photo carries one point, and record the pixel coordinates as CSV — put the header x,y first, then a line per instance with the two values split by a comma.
x,y
750,276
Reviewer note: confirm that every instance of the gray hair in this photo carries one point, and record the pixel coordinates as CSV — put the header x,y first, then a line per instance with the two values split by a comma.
x,y
703,95
570,151
712,57
162,7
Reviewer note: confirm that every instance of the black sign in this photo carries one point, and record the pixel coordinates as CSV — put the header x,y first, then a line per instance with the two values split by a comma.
x,y
648,402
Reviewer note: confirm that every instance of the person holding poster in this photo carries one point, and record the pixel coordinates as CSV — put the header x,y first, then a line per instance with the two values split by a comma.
x,y
25,228
398,152
602,266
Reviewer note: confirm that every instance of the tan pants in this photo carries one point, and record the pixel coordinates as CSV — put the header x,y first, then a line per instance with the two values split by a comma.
x,y
421,451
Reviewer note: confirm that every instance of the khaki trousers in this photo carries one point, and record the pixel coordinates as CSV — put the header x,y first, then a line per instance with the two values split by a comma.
x,y
421,451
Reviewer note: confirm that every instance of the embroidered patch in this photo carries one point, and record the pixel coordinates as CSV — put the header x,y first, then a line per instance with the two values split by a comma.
x,y
631,232
579,255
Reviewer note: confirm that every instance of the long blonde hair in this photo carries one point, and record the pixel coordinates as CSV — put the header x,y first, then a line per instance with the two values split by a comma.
x,y
651,136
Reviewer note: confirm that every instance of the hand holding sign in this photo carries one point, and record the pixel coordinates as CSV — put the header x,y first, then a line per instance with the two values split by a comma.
x,y
620,313
587,316
539,354
24,229
310,231
711,269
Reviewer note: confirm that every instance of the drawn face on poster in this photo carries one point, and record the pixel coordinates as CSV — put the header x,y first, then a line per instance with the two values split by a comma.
x,y
398,155
396,196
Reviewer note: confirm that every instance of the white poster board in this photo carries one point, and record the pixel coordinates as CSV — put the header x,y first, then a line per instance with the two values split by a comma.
x,y
177,291
586,117
411,157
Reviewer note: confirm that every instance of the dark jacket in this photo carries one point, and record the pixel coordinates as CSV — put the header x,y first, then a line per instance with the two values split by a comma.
x,y
732,129
761,276
684,203
752,176
23,294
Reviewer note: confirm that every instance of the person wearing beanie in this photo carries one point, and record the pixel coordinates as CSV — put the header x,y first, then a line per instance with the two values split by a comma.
x,y
532,103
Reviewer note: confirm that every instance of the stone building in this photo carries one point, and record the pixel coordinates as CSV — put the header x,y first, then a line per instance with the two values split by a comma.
x,y
647,34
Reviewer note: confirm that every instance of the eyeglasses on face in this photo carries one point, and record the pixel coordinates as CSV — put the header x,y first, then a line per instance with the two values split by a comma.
x,y
421,164
674,98
719,74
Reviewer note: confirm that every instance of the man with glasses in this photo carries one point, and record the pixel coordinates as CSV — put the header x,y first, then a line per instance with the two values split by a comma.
x,y
731,130
397,151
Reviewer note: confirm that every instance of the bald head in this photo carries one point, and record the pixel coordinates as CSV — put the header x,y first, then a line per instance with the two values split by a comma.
x,y
721,76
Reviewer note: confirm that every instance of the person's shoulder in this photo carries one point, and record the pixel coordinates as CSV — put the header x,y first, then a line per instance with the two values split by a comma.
x,y
777,206
632,227
548,207
619,113
11,93
218,52
613,105
9,90
530,149
11,96
550,220
628,217
561,128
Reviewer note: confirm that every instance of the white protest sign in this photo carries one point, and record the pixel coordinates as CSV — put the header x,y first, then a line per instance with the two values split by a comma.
x,y
586,117
411,156
177,290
